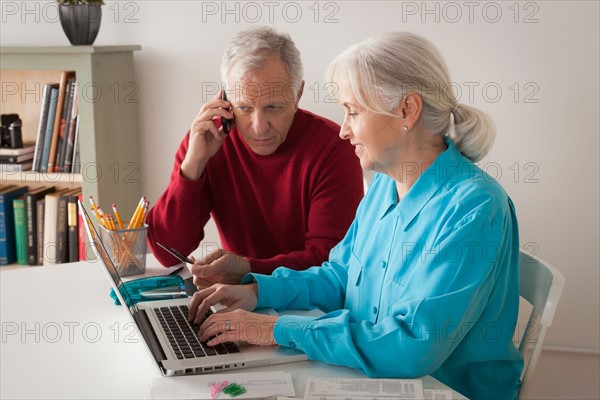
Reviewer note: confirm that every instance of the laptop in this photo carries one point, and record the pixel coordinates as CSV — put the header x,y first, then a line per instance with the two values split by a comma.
x,y
173,341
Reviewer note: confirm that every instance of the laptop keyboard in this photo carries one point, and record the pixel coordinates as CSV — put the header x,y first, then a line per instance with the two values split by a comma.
x,y
183,336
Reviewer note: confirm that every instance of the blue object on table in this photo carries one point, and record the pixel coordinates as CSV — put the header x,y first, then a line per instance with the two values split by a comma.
x,y
151,288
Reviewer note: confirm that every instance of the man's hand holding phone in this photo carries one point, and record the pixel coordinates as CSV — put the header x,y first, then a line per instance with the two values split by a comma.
x,y
220,266
205,138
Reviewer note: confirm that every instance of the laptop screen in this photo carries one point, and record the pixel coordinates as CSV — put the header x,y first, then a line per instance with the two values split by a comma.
x,y
104,258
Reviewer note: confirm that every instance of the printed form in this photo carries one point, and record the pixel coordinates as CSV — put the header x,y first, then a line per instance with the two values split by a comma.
x,y
370,389
363,389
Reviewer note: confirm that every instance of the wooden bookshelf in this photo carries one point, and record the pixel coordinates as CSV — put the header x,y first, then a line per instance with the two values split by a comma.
x,y
108,131
37,178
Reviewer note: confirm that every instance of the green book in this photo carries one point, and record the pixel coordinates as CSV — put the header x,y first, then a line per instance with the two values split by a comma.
x,y
20,230
7,222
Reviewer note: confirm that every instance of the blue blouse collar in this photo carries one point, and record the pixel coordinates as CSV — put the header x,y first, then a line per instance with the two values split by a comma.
x,y
443,168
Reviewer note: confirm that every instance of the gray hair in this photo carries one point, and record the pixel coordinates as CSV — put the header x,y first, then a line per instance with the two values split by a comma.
x,y
250,50
381,70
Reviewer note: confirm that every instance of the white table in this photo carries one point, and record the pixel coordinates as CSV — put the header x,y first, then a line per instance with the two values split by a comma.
x,y
62,338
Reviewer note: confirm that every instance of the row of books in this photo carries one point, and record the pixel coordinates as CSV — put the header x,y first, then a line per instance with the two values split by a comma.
x,y
56,148
40,226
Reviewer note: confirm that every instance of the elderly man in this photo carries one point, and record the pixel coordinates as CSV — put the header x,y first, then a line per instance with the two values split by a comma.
x,y
281,186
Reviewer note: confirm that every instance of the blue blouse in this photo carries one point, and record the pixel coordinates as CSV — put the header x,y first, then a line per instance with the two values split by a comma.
x,y
424,286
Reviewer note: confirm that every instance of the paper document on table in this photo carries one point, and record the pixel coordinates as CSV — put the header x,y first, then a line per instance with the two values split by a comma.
x,y
363,389
257,384
437,394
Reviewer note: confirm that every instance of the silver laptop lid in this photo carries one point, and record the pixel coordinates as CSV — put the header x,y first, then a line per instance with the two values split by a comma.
x,y
103,257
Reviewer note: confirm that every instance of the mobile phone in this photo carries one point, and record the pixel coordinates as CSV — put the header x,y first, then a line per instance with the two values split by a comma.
x,y
225,123
175,253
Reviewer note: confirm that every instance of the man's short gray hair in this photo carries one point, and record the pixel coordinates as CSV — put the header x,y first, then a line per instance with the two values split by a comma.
x,y
250,50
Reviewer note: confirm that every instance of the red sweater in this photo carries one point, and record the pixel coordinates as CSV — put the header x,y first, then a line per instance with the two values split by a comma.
x,y
285,209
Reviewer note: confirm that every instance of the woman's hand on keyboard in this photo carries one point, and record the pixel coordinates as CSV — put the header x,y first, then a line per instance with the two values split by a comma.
x,y
232,297
238,326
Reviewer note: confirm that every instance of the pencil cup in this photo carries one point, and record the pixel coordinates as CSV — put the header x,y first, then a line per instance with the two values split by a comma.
x,y
127,249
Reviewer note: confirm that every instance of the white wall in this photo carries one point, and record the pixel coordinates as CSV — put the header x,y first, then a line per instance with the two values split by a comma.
x,y
542,56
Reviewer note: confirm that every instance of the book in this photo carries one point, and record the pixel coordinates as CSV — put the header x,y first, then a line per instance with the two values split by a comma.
x,y
20,230
3,241
66,125
62,251
61,132
28,147
49,235
8,249
15,159
62,227
49,127
65,76
76,165
8,169
61,128
72,136
31,198
82,234
73,230
39,229
50,227
39,144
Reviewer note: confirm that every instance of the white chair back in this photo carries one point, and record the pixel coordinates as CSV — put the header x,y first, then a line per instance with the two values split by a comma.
x,y
541,285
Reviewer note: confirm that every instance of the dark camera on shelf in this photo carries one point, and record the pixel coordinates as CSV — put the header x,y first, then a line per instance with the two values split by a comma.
x,y
11,131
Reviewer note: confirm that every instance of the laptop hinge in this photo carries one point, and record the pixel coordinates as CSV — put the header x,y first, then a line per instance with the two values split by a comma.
x,y
141,319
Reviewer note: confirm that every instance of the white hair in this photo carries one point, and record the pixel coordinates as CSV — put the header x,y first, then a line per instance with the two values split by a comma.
x,y
382,69
250,49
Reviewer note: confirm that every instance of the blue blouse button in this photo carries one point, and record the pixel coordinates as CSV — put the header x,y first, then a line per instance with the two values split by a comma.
x,y
374,310
383,264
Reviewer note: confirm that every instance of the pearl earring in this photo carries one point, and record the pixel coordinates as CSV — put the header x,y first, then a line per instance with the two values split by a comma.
x,y
406,129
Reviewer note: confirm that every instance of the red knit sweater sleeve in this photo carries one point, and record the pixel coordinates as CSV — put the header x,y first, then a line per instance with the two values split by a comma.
x,y
178,217
338,191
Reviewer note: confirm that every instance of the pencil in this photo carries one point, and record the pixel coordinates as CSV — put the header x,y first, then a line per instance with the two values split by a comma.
x,y
97,216
111,223
136,214
117,216
144,212
103,217
93,203
139,219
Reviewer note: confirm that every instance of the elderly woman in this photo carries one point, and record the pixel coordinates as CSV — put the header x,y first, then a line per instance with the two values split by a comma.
x,y
426,279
